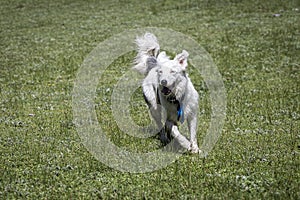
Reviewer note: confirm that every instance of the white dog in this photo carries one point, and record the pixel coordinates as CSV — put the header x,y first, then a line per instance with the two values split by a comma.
x,y
166,86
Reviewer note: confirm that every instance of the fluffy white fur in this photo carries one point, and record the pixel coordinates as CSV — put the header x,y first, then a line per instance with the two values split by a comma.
x,y
147,46
167,83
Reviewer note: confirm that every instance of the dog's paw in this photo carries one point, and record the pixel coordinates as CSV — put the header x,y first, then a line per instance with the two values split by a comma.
x,y
194,148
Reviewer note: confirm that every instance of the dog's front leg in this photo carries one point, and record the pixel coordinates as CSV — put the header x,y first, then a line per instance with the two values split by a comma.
x,y
150,95
192,125
156,115
180,138
150,88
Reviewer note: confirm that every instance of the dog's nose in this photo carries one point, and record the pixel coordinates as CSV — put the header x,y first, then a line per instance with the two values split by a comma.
x,y
164,82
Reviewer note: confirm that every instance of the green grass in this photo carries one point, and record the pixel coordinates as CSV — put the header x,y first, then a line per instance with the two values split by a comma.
x,y
43,44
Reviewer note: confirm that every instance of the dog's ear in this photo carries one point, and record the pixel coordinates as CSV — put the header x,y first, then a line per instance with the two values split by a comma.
x,y
182,59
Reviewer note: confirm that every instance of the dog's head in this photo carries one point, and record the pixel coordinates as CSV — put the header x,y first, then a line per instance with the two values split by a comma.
x,y
169,71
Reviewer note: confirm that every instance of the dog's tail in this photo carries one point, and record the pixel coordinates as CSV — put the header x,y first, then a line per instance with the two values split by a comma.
x,y
147,47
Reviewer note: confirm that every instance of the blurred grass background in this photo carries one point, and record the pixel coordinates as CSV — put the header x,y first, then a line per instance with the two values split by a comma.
x,y
256,46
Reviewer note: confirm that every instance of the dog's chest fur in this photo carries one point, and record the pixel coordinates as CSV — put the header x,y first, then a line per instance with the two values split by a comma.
x,y
172,106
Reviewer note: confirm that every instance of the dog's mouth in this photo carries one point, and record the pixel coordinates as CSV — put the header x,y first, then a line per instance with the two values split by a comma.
x,y
166,91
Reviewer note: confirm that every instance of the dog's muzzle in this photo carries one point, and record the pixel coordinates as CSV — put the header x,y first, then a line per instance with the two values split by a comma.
x,y
166,91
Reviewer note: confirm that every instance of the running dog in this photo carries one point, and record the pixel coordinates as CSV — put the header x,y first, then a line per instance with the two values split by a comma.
x,y
167,87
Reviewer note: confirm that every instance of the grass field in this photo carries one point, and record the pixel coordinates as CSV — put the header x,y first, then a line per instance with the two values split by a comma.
x,y
256,46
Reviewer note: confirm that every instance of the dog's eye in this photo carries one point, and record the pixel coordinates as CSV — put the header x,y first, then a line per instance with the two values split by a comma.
x,y
160,71
173,71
